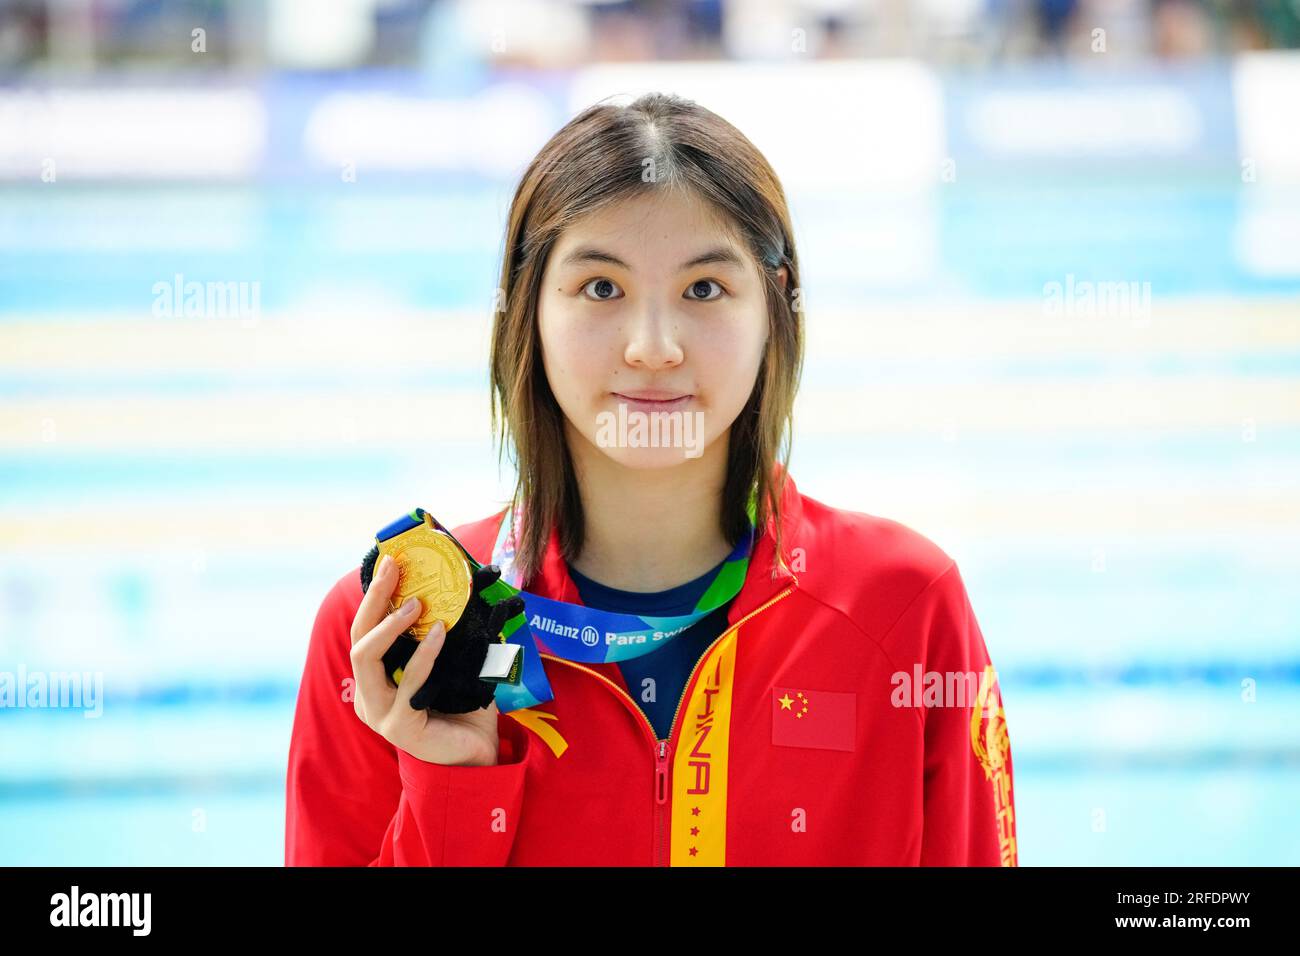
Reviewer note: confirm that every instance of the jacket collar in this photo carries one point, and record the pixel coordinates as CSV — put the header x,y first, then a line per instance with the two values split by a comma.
x,y
764,579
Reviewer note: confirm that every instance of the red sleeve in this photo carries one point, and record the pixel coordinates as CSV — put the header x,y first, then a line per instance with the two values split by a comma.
x,y
459,816
342,784
968,805
353,799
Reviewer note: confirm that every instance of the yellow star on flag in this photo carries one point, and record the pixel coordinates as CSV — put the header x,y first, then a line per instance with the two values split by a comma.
x,y
785,701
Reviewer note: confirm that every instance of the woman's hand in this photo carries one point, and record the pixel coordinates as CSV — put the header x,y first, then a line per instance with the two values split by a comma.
x,y
452,739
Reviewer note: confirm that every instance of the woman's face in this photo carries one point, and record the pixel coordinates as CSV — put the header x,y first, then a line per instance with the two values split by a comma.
x,y
627,311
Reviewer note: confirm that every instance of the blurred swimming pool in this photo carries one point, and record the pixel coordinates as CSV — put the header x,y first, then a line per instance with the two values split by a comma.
x,y
1120,488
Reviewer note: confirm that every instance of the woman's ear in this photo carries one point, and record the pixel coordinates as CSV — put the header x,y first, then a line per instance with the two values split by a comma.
x,y
783,276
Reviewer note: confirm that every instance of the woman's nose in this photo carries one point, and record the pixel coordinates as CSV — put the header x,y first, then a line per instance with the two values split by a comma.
x,y
652,339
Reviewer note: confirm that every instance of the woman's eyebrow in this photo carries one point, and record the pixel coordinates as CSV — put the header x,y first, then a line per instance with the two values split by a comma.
x,y
584,254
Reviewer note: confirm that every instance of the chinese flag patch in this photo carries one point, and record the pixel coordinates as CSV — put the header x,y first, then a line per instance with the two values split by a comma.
x,y
813,718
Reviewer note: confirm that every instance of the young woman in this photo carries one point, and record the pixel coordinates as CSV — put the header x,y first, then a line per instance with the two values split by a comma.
x,y
831,702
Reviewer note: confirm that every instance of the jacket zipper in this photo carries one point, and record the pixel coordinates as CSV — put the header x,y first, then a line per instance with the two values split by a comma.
x,y
659,748
661,801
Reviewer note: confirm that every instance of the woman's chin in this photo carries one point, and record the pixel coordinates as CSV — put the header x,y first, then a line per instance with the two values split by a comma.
x,y
651,458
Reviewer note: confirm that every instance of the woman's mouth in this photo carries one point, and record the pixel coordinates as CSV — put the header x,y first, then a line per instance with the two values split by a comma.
x,y
649,401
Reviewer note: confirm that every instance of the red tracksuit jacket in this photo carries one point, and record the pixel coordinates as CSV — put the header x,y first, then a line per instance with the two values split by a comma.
x,y
848,716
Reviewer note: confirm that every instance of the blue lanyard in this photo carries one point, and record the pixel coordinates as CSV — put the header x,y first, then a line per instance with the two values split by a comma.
x,y
573,631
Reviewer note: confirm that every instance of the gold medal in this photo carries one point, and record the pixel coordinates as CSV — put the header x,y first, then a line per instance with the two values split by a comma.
x,y
430,567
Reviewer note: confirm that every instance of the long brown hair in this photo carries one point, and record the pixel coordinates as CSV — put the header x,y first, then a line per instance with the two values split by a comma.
x,y
599,157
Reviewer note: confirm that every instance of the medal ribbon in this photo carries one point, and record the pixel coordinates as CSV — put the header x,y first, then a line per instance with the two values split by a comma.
x,y
577,632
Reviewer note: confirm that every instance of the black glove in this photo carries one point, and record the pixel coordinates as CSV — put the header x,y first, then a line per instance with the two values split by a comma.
x,y
453,686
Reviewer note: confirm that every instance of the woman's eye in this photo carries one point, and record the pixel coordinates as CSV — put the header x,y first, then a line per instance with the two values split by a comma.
x,y
604,289
695,286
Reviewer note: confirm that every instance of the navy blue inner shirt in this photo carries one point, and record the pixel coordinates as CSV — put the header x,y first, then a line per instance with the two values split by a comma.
x,y
656,680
